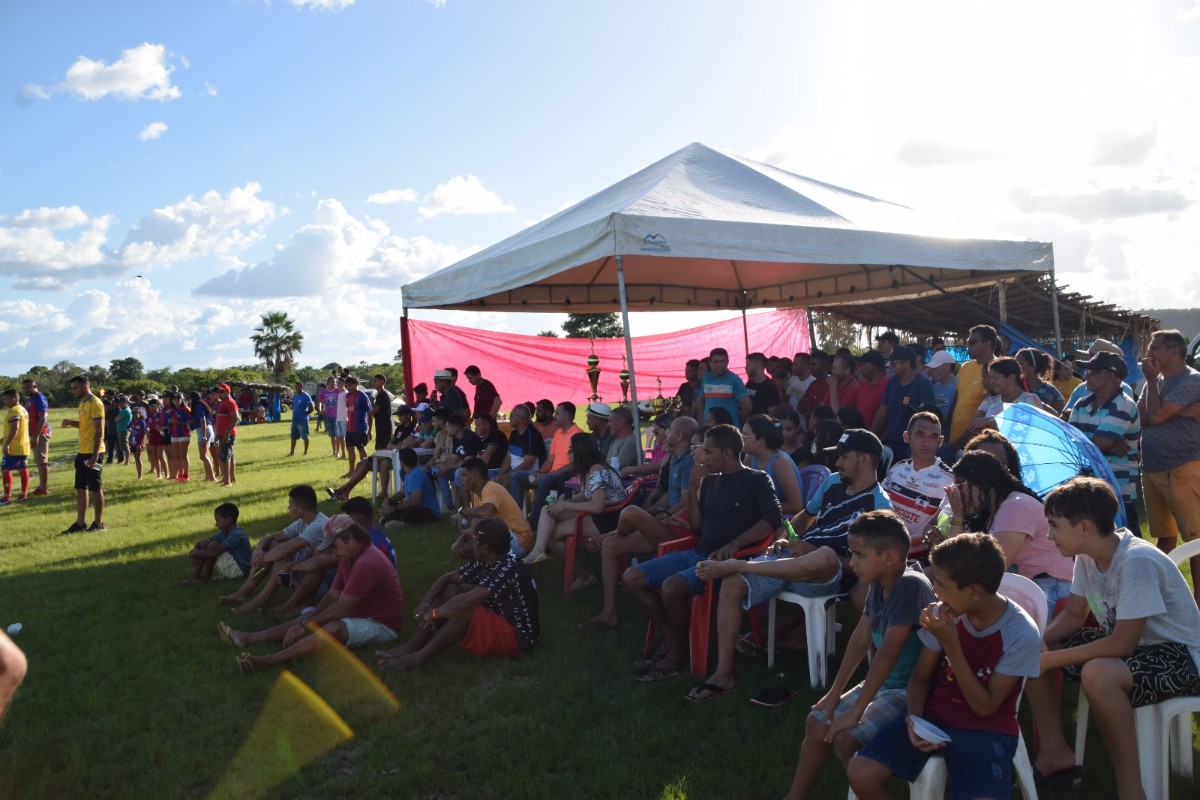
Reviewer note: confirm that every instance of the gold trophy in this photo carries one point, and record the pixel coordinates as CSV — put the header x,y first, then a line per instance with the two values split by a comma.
x,y
660,404
593,373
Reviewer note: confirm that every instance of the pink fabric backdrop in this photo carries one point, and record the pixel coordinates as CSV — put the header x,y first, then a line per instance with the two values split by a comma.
x,y
532,367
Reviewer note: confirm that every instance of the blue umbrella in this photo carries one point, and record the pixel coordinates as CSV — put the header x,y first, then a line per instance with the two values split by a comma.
x,y
1052,451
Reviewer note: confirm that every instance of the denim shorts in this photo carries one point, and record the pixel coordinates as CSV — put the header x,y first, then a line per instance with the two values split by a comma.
x,y
657,570
1055,589
300,429
888,705
762,588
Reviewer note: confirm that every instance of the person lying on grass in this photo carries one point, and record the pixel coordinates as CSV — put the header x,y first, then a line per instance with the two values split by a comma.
x,y
281,551
365,605
225,554
488,605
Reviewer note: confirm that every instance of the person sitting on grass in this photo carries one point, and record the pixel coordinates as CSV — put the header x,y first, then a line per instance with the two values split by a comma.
x,y
416,502
225,554
359,509
489,499
364,606
896,596
402,433
488,605
977,649
280,550
1146,649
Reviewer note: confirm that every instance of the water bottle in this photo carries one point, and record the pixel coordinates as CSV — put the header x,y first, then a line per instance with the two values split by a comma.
x,y
791,532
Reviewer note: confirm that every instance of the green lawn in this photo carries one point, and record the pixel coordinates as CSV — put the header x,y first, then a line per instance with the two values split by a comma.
x,y
131,693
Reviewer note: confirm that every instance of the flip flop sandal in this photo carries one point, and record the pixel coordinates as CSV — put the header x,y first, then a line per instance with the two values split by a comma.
x,y
243,662
747,646
707,691
579,584
656,674
645,663
538,560
223,629
592,545
1060,778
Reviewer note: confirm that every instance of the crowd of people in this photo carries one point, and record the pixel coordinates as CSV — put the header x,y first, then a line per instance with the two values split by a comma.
x,y
817,474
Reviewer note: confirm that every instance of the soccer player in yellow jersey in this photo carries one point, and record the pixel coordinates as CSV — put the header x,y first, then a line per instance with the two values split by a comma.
x,y
87,461
16,446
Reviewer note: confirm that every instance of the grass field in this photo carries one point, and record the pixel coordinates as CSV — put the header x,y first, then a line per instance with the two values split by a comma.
x,y
131,694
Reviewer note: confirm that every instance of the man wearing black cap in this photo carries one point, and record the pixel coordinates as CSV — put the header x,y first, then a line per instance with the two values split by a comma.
x,y
816,564
1109,418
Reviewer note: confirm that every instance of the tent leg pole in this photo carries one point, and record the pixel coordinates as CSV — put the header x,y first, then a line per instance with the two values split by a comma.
x,y
637,423
406,354
745,332
1058,343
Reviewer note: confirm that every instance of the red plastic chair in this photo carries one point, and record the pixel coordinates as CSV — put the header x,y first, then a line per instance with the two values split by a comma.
x,y
700,622
572,541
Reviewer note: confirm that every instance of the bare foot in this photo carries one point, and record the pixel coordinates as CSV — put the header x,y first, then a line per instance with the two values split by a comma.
x,y
231,599
246,608
189,582
401,663
707,570
601,620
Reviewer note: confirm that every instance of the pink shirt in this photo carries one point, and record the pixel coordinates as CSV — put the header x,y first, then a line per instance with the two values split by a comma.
x,y
372,580
1023,514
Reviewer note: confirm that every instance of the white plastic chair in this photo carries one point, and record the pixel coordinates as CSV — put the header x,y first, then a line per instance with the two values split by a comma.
x,y
1160,727
820,629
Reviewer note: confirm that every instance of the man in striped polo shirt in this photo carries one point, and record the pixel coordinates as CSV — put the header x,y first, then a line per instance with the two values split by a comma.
x,y
1109,417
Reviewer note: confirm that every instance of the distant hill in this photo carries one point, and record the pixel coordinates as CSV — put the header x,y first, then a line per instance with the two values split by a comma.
x,y
1182,319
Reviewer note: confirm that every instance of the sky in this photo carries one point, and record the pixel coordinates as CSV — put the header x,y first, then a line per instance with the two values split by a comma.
x,y
171,171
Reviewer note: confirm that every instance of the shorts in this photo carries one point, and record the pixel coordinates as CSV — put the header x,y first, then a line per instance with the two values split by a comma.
x,y
41,449
339,428
1173,501
11,463
331,427
1160,671
204,435
888,705
300,429
978,763
489,634
226,568
382,439
1055,589
85,478
763,588
362,630
683,564
180,439
357,439
153,438
226,444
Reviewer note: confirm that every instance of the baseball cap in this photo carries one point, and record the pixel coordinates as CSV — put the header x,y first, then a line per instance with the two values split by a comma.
x,y
333,526
426,415
872,357
1105,362
599,410
904,353
403,410
857,440
940,359
443,375
224,387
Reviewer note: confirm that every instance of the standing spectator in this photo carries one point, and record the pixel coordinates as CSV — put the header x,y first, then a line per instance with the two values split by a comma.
x,y
381,412
1065,379
1035,365
906,391
328,398
88,462
447,396
941,374
981,346
137,438
302,406
358,422
800,379
205,435
39,432
1108,416
873,374
487,399
840,389
225,420
764,395
1170,414
154,441
340,425
124,417
937,344
16,446
110,426
885,343
686,396
720,388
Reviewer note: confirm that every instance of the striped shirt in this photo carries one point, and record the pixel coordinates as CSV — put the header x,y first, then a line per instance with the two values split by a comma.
x,y
1116,419
835,509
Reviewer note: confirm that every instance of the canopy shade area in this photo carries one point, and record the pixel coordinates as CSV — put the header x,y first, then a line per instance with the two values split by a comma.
x,y
703,230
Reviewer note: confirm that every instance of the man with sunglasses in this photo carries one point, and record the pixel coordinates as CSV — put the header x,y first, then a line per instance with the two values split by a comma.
x,y
982,342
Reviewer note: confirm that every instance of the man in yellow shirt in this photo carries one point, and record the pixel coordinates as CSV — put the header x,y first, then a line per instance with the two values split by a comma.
x,y
87,460
490,499
982,342
16,446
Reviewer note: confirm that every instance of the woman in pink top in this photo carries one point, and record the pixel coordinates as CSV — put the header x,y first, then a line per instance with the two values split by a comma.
x,y
987,497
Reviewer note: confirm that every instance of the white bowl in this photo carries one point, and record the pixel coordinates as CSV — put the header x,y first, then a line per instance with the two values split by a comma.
x,y
929,732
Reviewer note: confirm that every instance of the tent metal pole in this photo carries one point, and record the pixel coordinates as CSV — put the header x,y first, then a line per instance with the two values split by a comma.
x,y
1054,307
637,423
745,332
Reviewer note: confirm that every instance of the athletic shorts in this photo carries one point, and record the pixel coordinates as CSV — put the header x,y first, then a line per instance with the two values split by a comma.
x,y
361,630
86,478
154,438
226,444
300,429
489,634
1160,671
11,463
41,449
1173,501
357,439
888,705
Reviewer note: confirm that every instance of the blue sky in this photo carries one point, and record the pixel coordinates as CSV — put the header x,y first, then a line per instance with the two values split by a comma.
x,y
243,156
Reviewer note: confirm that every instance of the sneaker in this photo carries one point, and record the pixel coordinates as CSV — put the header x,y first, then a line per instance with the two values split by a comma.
x,y
22,498
76,527
4,501
40,491
97,526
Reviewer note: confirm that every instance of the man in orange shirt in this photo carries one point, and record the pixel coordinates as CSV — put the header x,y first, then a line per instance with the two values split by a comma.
x,y
558,467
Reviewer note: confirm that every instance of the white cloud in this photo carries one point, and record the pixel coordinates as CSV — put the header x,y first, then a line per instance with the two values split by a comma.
x,y
153,131
462,195
324,5
1103,203
210,89
1121,148
393,196
37,248
191,228
55,219
141,73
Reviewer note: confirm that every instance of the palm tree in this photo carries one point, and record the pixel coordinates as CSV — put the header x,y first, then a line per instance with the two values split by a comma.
x,y
277,342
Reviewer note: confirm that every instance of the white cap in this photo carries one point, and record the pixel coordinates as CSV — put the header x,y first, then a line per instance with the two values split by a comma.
x,y
599,410
939,359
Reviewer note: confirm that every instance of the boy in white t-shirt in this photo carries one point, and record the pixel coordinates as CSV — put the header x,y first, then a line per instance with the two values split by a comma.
x,y
1146,649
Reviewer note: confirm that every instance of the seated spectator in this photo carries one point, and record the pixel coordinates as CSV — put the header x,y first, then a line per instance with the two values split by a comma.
x,y
225,554
825,438
762,438
977,649
597,422
917,486
659,450
732,507
1035,367
364,606
717,416
494,451
795,436
465,444
281,551
600,486
488,499
623,447
1065,379
416,501
815,565
401,436
640,529
896,597
552,475
996,443
544,421
1147,646
526,450
488,605
359,509
987,497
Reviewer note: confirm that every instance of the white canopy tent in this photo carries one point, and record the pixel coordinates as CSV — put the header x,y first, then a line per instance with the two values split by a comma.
x,y
702,230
